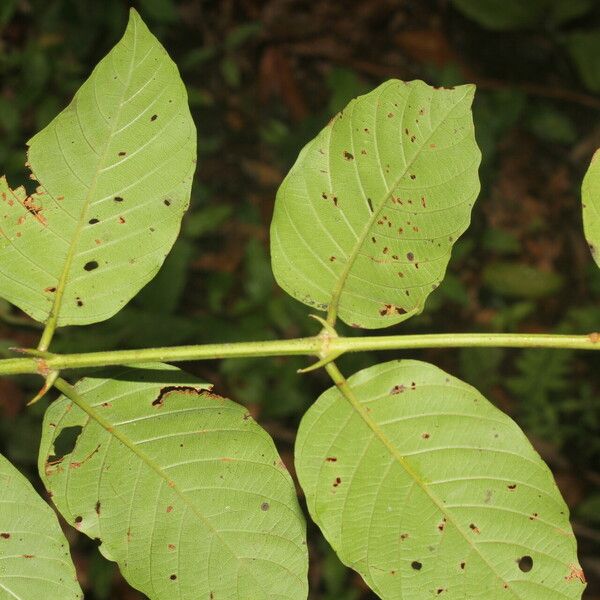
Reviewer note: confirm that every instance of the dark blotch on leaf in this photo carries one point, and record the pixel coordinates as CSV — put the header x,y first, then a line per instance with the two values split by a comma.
x,y
410,256
416,565
118,199
170,389
154,117
348,156
525,563
78,519
265,506
5,536
122,153
93,221
90,266
167,202
173,577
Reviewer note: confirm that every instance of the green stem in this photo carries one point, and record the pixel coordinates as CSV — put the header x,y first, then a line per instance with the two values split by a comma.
x,y
49,330
312,346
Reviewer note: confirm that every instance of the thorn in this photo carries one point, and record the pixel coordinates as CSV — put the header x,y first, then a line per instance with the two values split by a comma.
x,y
321,363
32,352
48,383
327,327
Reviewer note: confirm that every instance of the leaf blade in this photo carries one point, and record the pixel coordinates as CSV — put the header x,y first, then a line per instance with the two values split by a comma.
x,y
590,192
367,204
414,500
115,170
36,563
185,491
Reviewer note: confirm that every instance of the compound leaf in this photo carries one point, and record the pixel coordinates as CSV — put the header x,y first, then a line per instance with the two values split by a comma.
x,y
186,492
365,221
590,192
114,171
428,490
34,555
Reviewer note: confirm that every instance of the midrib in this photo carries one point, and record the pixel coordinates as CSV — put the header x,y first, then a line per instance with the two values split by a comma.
x,y
358,407
339,288
158,470
63,280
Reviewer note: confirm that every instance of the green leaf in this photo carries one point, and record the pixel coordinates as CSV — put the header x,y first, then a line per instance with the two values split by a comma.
x,y
516,14
365,221
34,554
590,192
584,47
115,170
426,489
517,280
504,14
542,380
186,492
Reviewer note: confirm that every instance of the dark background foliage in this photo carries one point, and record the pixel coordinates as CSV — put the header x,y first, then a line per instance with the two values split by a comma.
x,y
263,77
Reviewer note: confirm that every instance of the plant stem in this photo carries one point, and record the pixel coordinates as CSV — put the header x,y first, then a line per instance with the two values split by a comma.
x,y
312,346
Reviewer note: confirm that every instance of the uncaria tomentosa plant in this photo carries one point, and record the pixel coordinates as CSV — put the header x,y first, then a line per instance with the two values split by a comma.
x,y
416,480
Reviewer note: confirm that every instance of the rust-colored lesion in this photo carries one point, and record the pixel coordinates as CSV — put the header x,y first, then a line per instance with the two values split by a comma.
x,y
77,464
31,204
575,573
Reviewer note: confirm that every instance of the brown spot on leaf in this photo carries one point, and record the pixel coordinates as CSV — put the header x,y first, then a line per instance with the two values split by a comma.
x,y
416,565
331,459
5,536
348,155
265,506
474,528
